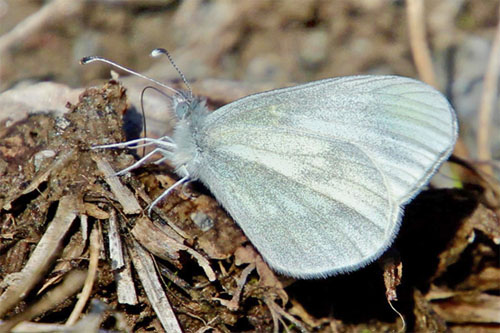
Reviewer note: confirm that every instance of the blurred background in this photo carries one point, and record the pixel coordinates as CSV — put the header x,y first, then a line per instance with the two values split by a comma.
x,y
258,45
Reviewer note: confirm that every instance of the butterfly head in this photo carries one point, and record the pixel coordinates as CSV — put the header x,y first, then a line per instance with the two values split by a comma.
x,y
189,109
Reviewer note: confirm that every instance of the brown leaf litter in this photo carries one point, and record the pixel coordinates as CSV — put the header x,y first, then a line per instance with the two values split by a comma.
x,y
190,268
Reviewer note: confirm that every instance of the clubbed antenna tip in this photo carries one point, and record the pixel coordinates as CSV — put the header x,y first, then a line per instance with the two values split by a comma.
x,y
86,60
160,51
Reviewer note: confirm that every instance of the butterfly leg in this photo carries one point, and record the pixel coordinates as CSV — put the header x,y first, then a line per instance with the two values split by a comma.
x,y
167,192
165,142
166,155
165,146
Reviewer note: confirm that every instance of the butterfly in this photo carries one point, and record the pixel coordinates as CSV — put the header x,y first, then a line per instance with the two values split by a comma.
x,y
316,175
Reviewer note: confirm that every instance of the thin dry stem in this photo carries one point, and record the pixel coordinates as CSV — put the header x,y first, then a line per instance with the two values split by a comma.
x,y
418,41
70,285
95,248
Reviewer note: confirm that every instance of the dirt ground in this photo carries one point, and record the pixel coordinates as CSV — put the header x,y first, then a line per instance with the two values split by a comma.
x,y
76,246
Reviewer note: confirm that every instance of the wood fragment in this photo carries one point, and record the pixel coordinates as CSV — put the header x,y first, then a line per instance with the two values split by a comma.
x,y
44,254
426,319
84,226
145,268
115,243
125,286
32,327
161,245
174,278
268,279
469,308
94,211
122,193
73,251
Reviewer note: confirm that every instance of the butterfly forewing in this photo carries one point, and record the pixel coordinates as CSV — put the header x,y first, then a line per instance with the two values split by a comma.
x,y
316,175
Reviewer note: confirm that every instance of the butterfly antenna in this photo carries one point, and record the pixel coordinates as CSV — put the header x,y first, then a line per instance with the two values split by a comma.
x,y
157,52
143,120
87,60
143,113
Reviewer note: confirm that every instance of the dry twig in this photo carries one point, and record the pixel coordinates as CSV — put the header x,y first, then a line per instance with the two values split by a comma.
x,y
488,99
152,286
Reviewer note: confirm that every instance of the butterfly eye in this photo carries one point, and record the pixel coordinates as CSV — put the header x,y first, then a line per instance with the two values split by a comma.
x,y
182,109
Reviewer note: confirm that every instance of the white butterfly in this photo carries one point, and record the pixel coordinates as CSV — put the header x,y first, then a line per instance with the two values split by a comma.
x,y
316,175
